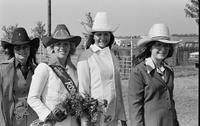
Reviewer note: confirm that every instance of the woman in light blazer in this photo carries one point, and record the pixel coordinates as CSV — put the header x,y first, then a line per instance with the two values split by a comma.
x,y
151,84
47,89
98,73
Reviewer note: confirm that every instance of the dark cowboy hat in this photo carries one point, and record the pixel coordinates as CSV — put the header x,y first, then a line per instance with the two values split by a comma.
x,y
61,34
20,37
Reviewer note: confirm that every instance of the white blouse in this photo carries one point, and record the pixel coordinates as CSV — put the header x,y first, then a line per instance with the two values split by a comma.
x,y
46,91
98,76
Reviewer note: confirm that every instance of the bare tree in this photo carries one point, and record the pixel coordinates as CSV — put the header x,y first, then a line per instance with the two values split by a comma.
x,y
87,24
192,10
39,31
8,32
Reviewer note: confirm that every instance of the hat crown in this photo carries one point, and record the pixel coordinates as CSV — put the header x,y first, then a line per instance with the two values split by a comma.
x,y
61,32
19,35
101,22
159,31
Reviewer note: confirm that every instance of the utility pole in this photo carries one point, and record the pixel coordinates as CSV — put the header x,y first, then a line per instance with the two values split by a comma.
x,y
49,17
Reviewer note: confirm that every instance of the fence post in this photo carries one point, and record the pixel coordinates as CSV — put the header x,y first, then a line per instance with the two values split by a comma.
x,y
131,50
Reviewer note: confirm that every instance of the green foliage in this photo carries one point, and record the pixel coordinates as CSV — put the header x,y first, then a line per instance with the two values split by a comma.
x,y
8,32
87,24
39,30
192,10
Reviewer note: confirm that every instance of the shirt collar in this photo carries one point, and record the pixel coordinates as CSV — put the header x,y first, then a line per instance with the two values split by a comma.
x,y
18,64
96,48
151,66
54,60
29,65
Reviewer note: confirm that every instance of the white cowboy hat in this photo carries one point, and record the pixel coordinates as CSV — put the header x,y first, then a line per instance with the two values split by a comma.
x,y
158,32
101,23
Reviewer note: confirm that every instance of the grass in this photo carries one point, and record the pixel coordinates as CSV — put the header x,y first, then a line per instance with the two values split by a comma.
x,y
185,71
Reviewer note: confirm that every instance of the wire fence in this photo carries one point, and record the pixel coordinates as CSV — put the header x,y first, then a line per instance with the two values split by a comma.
x,y
125,56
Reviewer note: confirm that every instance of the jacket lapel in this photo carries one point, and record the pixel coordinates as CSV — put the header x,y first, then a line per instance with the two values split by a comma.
x,y
159,78
166,75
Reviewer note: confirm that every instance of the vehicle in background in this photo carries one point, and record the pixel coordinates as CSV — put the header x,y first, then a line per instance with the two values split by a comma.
x,y
194,58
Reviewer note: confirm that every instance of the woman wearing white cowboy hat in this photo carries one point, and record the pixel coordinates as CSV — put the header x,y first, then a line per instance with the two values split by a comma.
x,y
47,87
15,78
151,84
98,72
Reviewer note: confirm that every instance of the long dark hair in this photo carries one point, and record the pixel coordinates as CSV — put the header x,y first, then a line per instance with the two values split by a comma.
x,y
32,57
145,52
91,41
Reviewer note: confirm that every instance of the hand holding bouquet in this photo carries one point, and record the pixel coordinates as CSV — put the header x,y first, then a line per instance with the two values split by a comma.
x,y
76,105
92,108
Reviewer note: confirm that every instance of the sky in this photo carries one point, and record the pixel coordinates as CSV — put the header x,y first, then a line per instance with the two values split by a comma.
x,y
134,17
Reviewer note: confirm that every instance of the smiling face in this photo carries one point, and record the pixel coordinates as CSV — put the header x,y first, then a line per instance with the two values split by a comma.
x,y
102,39
159,51
21,53
61,49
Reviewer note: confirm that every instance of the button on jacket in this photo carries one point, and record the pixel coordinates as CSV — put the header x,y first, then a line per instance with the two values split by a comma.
x,y
47,90
150,96
98,75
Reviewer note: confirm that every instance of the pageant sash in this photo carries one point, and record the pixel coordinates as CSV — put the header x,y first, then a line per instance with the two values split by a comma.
x,y
65,78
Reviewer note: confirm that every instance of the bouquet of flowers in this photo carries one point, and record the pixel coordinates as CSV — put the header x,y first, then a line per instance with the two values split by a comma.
x,y
76,105
92,108
72,104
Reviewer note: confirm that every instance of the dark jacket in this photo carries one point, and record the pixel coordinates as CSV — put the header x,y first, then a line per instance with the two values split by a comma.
x,y
151,98
7,104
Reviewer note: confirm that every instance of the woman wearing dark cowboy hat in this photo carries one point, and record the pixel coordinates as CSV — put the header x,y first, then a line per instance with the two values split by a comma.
x,y
151,84
48,86
15,77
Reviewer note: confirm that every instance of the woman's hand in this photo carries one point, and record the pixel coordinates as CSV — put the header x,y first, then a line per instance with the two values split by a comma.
x,y
59,114
123,123
84,121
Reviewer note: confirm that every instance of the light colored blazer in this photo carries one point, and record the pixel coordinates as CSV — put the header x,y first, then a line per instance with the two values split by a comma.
x,y
98,75
46,91
7,102
7,71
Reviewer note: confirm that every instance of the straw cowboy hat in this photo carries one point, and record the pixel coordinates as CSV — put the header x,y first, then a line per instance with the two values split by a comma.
x,y
158,32
20,37
61,34
101,23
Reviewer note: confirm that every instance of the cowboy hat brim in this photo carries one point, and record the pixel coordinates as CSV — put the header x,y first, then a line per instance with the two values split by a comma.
x,y
34,42
104,29
47,41
142,42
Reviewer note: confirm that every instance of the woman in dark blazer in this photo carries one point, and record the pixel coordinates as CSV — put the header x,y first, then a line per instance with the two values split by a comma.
x,y
15,77
151,84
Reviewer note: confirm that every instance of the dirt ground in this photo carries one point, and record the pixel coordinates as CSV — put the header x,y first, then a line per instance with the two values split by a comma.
x,y
186,100
185,96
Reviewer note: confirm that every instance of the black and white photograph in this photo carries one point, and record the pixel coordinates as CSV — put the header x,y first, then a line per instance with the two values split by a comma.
x,y
99,62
